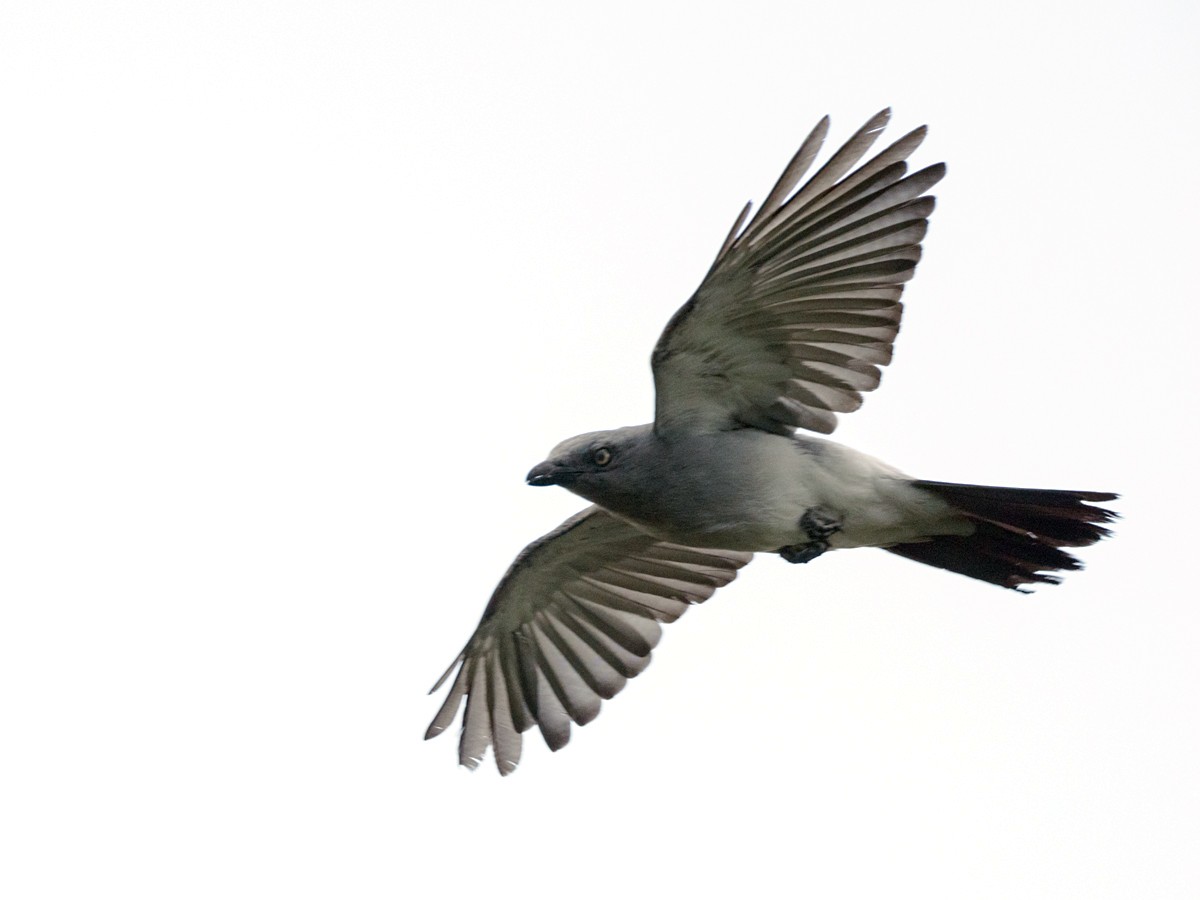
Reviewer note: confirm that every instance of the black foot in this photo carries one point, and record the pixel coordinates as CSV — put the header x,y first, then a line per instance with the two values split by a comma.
x,y
802,553
819,526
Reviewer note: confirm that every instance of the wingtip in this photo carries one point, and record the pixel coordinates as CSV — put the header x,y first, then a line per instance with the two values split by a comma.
x,y
470,763
438,684
932,174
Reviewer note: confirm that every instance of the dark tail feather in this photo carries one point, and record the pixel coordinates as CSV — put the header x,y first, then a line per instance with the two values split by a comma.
x,y
1018,532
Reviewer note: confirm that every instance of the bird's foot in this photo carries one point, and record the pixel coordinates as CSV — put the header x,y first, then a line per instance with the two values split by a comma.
x,y
802,553
819,526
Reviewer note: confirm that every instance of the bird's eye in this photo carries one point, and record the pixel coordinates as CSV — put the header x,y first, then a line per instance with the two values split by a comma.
x,y
602,457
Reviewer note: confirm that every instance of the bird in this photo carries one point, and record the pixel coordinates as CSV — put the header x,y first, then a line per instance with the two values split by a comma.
x,y
790,326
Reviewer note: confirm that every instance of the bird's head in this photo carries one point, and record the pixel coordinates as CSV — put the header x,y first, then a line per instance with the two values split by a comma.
x,y
586,463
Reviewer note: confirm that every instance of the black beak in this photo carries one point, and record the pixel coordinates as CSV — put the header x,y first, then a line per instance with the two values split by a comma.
x,y
543,474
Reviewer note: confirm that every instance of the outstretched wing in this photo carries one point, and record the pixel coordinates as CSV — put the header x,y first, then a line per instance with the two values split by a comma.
x,y
801,307
576,614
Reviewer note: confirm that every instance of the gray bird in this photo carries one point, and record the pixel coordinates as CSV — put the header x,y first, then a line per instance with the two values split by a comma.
x,y
788,328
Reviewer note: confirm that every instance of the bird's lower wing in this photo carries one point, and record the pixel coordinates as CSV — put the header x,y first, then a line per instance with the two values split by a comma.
x,y
575,616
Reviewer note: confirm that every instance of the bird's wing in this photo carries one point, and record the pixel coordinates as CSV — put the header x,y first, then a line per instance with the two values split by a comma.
x,y
576,614
801,306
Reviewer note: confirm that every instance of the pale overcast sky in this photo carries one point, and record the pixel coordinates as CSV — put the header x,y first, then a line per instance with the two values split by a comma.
x,y
295,293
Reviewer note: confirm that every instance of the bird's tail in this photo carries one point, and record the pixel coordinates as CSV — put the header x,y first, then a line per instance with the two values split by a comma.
x,y
1018,532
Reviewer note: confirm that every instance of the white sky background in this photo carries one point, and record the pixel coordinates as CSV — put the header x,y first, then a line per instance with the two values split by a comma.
x,y
294,294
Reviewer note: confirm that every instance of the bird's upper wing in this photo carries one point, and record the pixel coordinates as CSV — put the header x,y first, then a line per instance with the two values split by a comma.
x,y
576,615
801,306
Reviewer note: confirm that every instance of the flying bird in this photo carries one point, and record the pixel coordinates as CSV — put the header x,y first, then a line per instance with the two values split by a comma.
x,y
789,327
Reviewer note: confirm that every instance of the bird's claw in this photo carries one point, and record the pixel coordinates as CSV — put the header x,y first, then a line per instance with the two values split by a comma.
x,y
802,553
819,526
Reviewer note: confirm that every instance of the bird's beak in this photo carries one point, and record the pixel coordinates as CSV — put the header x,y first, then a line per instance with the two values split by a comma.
x,y
545,473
